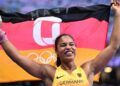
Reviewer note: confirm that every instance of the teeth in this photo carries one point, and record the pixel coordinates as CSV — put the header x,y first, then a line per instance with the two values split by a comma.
x,y
68,53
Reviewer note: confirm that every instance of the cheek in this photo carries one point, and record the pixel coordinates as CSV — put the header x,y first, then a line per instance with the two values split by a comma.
x,y
60,52
74,48
59,49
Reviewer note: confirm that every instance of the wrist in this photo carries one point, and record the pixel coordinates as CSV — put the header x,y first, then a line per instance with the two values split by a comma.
x,y
117,14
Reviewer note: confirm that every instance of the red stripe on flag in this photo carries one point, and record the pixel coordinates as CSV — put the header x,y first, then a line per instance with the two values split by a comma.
x,y
89,33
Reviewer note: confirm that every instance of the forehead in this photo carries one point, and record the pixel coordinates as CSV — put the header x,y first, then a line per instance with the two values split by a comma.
x,y
66,39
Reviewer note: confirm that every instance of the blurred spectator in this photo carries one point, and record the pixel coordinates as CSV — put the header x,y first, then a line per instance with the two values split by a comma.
x,y
101,1
29,5
2,2
12,5
118,75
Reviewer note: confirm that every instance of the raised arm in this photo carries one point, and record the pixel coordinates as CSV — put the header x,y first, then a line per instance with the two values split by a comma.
x,y
37,70
103,58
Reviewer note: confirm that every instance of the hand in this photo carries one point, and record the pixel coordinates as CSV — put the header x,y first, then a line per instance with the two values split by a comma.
x,y
116,7
3,36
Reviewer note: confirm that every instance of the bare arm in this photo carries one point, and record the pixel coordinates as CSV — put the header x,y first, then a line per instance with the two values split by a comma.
x,y
37,70
103,58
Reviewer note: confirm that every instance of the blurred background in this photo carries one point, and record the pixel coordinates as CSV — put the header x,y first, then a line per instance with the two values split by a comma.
x,y
110,75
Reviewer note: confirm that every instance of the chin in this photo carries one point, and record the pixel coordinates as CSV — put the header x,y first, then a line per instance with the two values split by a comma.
x,y
70,57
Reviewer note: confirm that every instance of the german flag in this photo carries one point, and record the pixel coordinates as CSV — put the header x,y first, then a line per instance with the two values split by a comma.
x,y
34,33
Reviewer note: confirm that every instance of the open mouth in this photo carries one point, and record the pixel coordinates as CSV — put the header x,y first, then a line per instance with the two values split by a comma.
x,y
69,53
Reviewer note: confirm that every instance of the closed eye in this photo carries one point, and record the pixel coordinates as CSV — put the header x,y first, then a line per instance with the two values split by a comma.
x,y
63,45
72,44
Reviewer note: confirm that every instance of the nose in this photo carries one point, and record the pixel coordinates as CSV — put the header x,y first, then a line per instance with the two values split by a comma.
x,y
68,46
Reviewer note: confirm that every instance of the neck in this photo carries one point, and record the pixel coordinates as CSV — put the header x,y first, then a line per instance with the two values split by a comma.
x,y
68,66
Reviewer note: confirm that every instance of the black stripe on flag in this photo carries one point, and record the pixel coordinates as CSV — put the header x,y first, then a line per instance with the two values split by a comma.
x,y
100,12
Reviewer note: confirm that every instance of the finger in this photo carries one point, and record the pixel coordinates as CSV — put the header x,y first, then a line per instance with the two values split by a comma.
x,y
0,21
0,18
112,1
2,32
115,2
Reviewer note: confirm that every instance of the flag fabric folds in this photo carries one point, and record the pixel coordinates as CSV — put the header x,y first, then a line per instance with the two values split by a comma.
x,y
34,33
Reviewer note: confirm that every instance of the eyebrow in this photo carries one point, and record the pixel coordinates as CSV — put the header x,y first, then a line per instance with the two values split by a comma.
x,y
66,42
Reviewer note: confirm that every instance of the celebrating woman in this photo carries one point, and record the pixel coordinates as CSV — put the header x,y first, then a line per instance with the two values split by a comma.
x,y
67,73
